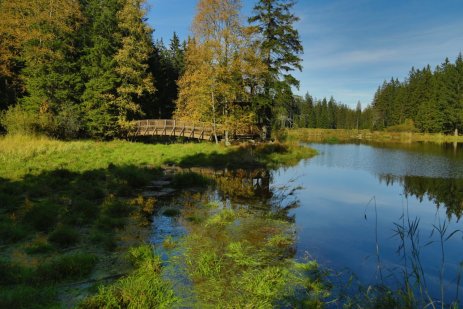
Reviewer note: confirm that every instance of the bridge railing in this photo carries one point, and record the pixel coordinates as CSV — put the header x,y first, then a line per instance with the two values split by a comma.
x,y
171,127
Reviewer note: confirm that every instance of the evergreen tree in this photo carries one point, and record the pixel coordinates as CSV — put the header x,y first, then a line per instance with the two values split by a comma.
x,y
281,48
167,66
452,96
101,43
40,36
358,114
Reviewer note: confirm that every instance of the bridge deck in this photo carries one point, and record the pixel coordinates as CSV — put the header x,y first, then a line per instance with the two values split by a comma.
x,y
170,127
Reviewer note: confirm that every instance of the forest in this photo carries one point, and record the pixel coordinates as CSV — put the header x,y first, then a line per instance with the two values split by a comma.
x,y
87,68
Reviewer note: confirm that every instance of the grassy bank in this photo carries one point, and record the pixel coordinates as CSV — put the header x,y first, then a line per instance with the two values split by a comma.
x,y
23,155
70,211
342,135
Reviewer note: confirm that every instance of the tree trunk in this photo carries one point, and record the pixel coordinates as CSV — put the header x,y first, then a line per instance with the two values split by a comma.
x,y
456,132
214,128
227,140
268,122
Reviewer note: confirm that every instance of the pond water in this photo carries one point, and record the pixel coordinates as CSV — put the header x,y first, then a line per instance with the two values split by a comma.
x,y
355,195
373,211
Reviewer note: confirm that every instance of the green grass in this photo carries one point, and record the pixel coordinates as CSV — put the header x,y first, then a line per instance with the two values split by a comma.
x,y
22,155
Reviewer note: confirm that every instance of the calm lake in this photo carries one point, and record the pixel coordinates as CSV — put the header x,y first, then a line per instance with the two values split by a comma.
x,y
375,212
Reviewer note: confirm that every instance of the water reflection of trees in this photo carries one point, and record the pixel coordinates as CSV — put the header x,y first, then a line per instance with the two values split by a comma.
x,y
252,188
441,191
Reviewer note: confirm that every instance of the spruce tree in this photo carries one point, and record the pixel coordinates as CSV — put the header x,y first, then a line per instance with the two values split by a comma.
x,y
101,42
281,49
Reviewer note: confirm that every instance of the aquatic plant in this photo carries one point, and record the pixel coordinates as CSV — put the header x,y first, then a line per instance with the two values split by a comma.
x,y
239,258
143,288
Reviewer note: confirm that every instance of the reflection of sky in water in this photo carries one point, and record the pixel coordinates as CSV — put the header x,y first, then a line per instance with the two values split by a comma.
x,y
337,187
399,162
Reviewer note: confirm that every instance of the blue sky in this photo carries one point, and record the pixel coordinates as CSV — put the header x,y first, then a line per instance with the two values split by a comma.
x,y
350,46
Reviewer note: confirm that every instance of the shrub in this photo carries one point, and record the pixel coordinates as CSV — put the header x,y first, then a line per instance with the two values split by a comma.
x,y
64,236
407,126
16,120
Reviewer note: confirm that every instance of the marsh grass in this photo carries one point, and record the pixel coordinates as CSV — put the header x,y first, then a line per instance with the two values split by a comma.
x,y
66,267
344,135
24,296
190,179
39,245
64,236
143,288
55,195
413,291
238,259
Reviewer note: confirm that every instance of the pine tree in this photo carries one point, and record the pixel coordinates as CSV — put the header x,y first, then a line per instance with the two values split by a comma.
x,y
281,48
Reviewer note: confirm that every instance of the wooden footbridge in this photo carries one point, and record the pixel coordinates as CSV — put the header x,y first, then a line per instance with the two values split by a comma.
x,y
176,128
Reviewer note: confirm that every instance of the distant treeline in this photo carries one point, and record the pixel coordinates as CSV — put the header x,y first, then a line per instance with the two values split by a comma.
x,y
426,101
433,100
76,68
308,112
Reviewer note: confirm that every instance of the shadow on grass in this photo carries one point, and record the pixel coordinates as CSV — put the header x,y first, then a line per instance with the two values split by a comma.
x,y
251,156
52,224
